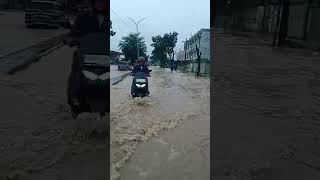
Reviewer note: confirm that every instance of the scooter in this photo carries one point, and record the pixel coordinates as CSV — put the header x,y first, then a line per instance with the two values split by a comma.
x,y
90,76
140,86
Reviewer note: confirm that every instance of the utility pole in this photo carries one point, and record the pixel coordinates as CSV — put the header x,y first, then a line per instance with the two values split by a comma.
x,y
279,17
185,48
174,63
284,22
137,28
198,56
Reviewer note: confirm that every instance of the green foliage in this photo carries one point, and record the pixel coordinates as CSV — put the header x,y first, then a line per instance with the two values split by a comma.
x,y
170,41
128,45
164,47
159,51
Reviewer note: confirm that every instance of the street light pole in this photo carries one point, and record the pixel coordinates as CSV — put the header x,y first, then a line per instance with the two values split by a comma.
x,y
137,28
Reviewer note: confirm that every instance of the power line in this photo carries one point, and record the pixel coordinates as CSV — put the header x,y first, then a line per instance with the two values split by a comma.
x,y
114,12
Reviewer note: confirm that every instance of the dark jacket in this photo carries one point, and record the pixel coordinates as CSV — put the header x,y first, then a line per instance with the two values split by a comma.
x,y
139,68
84,24
88,23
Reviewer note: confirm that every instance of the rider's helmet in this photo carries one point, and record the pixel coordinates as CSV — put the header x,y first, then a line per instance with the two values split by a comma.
x,y
141,60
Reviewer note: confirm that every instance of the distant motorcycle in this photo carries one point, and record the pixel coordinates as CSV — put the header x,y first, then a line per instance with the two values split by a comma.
x,y
140,86
90,76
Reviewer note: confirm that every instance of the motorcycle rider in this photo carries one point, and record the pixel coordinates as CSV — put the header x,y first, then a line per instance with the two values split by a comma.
x,y
91,20
141,67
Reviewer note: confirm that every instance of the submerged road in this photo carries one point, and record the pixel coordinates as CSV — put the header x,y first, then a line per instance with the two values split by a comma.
x,y
37,130
164,136
265,120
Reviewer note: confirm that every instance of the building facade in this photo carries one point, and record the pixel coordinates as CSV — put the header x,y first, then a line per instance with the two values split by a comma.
x,y
201,40
115,57
188,59
262,16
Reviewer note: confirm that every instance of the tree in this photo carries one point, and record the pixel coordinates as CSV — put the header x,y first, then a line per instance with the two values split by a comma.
x,y
164,47
170,41
128,45
112,33
159,51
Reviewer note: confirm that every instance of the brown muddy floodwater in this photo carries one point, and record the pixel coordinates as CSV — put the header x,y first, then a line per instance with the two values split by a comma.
x,y
174,98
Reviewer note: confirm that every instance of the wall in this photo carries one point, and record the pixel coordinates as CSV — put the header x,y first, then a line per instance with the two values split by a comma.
x,y
314,26
240,18
273,18
225,22
260,18
248,19
297,16
205,45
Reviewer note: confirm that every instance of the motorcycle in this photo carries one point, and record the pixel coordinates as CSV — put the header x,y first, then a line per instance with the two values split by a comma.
x,y
140,86
90,76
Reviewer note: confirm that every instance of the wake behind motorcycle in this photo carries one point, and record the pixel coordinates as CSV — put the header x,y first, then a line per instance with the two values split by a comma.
x,y
140,86
89,80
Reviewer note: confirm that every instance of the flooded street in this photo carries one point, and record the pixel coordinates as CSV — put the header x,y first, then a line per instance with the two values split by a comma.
x,y
265,117
177,103
38,139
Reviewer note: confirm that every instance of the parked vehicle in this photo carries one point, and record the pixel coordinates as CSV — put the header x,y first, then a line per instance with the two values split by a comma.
x,y
47,13
124,67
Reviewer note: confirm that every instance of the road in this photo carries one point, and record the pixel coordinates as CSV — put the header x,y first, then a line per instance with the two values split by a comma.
x,y
266,110
14,35
37,131
38,138
164,136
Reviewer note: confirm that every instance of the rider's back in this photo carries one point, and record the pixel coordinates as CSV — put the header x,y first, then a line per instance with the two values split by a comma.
x,y
86,24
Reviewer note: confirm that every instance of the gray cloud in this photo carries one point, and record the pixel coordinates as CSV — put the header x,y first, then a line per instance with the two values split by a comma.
x,y
163,16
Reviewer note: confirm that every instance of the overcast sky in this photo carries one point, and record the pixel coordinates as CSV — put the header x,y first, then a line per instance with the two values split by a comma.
x,y
163,16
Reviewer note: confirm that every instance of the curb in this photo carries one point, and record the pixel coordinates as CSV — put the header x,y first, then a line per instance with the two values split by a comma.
x,y
31,60
32,45
119,78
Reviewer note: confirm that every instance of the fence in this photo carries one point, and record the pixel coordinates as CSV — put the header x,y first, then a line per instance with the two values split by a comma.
x,y
192,66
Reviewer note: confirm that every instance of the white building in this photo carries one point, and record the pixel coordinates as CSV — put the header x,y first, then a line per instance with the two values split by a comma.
x,y
188,58
201,40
